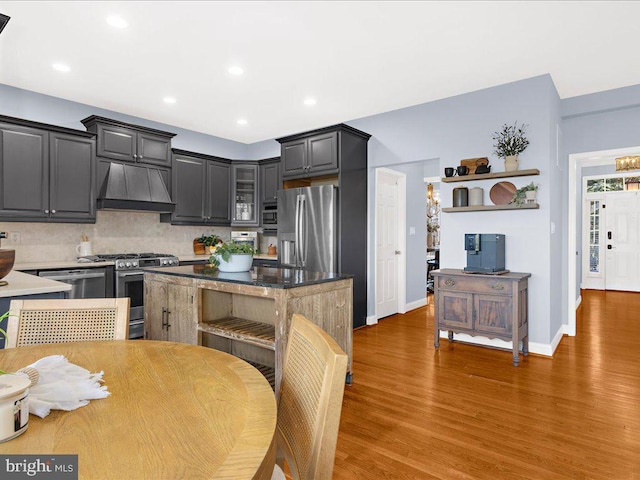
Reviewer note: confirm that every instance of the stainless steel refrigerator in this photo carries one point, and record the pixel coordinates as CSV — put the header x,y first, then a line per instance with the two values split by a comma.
x,y
307,228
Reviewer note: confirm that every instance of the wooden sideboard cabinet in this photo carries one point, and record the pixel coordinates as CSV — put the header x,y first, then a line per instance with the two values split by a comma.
x,y
493,306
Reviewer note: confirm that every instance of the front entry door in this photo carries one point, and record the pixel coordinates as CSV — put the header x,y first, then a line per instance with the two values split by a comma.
x,y
622,237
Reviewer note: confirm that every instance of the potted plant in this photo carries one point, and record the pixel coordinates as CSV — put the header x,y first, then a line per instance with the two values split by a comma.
x,y
526,194
509,142
232,256
203,244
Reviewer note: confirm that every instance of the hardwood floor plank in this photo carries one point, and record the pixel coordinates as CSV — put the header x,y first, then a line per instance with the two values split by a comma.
x,y
464,412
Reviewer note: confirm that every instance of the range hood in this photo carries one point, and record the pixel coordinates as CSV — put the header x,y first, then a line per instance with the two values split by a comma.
x,y
132,187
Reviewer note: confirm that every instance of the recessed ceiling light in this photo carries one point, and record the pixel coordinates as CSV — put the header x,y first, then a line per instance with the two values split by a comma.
x,y
117,22
242,121
236,70
170,100
61,67
309,101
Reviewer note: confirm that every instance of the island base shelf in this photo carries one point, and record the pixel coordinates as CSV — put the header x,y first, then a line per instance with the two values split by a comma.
x,y
243,330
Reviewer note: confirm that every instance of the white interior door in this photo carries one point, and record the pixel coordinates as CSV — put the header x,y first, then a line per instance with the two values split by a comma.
x,y
387,244
622,239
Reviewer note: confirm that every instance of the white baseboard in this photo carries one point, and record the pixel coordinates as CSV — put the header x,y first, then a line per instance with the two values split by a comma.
x,y
537,348
578,301
372,320
417,304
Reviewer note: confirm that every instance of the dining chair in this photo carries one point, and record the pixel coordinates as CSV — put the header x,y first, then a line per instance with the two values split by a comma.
x,y
309,402
33,322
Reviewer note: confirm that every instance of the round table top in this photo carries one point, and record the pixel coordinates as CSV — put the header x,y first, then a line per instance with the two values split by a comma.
x,y
175,411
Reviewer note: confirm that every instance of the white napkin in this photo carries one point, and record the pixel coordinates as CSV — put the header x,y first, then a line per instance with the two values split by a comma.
x,y
63,386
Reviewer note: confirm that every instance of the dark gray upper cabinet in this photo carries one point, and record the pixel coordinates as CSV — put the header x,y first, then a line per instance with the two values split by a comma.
x,y
47,173
130,143
270,180
200,185
311,155
245,195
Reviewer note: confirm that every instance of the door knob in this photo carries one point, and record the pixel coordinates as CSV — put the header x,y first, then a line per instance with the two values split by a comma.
x,y
398,252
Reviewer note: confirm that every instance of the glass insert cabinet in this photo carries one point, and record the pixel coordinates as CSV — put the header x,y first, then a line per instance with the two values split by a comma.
x,y
245,195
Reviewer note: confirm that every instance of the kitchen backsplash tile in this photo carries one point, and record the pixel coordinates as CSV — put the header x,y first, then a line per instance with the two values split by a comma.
x,y
114,232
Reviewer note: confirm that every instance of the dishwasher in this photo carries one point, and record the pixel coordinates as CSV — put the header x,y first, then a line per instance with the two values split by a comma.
x,y
85,282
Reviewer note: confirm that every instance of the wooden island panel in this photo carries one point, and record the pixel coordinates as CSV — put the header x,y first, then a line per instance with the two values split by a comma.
x,y
247,320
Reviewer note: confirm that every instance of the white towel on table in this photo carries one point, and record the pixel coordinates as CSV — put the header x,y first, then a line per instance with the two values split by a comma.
x,y
63,386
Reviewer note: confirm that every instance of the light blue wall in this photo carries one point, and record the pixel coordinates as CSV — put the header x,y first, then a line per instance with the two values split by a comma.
x,y
461,127
16,102
590,123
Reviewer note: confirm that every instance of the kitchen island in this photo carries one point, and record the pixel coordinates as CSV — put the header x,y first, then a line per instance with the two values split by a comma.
x,y
29,287
246,314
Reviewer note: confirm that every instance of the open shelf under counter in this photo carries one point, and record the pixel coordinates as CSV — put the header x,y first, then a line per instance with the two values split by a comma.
x,y
490,176
485,208
243,330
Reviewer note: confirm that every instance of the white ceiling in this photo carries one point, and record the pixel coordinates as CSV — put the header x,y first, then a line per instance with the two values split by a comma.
x,y
356,58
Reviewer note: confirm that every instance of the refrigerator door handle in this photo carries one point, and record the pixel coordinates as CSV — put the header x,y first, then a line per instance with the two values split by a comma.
x,y
303,213
296,249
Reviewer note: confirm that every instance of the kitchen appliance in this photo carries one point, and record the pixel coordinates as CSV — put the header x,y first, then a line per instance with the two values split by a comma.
x,y
85,282
307,228
485,252
249,238
129,281
270,219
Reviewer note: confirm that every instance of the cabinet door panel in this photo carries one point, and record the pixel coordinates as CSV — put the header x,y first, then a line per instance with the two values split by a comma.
x,y
189,189
24,172
323,152
72,177
153,149
183,327
456,310
218,198
294,157
155,307
245,195
116,143
493,314
270,182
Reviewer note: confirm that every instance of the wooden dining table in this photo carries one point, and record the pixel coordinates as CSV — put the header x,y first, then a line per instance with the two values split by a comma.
x,y
175,411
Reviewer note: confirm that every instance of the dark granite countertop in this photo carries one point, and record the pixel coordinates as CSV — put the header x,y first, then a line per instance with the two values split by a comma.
x,y
258,276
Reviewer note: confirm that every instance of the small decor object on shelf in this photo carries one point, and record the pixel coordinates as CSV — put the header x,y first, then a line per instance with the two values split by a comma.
x,y
232,256
476,197
526,194
474,165
509,142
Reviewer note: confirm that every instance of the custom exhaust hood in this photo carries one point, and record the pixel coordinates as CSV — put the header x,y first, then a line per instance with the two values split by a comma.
x,y
132,187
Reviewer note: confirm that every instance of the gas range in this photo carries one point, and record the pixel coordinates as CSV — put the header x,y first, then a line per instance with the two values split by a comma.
x,y
131,261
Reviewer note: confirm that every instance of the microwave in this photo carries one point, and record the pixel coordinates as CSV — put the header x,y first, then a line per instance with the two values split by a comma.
x,y
270,217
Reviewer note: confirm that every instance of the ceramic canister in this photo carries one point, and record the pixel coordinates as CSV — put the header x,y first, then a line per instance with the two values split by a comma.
x,y
476,195
14,405
460,197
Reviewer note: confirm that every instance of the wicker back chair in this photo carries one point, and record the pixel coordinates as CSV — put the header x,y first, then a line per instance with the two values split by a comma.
x,y
33,322
310,402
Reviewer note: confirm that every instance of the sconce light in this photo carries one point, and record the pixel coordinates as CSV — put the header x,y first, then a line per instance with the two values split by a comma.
x,y
628,163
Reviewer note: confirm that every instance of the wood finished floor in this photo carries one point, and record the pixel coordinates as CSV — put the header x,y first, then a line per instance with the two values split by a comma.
x,y
464,412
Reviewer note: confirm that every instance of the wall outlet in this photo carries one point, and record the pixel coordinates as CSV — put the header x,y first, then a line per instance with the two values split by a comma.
x,y
186,237
412,230
14,238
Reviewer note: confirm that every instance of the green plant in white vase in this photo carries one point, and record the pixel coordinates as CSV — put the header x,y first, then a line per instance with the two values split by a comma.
x,y
526,194
222,255
509,142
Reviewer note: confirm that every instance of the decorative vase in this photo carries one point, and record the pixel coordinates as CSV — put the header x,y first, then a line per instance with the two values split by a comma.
x,y
238,262
511,163
530,195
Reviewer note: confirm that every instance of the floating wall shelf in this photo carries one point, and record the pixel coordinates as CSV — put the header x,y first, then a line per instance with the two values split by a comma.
x,y
489,176
484,208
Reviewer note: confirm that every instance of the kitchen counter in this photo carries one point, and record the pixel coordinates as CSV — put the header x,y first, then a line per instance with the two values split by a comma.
x,y
24,284
59,264
191,258
257,276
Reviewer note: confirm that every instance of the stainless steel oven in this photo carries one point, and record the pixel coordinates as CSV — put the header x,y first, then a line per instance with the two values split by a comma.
x,y
270,218
129,282
250,238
